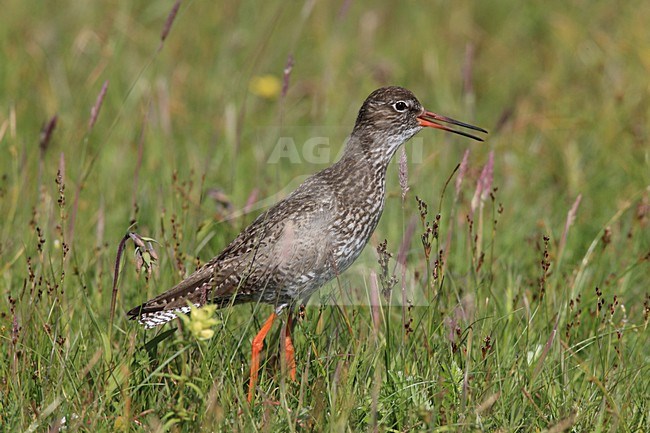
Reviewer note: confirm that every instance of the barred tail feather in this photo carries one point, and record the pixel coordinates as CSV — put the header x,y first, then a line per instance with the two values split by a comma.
x,y
151,319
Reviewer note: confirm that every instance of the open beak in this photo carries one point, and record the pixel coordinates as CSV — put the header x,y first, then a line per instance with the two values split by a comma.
x,y
433,120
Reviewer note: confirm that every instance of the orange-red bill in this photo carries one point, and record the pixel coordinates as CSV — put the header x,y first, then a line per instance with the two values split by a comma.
x,y
433,120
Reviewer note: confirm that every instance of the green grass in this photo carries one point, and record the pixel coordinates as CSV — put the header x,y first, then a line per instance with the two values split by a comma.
x,y
511,332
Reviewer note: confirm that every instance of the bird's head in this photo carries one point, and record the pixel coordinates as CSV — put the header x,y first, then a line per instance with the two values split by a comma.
x,y
392,115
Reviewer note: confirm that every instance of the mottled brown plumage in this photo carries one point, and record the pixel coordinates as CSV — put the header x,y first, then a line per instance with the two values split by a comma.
x,y
315,233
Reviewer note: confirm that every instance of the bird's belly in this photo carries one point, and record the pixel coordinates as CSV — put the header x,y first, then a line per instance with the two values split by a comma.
x,y
338,255
314,254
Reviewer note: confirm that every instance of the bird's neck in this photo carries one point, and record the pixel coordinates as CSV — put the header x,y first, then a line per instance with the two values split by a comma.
x,y
365,150
362,169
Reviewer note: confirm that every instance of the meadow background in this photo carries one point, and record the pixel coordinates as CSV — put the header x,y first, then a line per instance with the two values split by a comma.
x,y
532,286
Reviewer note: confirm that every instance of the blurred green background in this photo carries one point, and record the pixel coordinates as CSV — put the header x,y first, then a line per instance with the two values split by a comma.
x,y
184,137
562,86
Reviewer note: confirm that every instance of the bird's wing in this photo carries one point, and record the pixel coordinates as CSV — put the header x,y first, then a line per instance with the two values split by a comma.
x,y
287,240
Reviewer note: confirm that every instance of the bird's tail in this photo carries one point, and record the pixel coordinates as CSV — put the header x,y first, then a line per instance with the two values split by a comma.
x,y
151,317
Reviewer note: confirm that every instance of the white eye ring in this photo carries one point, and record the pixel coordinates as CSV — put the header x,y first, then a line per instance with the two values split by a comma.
x,y
401,106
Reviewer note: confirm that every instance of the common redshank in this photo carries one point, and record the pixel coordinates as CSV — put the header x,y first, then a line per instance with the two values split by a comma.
x,y
311,236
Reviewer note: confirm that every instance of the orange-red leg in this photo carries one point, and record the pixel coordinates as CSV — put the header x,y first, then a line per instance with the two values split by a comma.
x,y
258,344
289,350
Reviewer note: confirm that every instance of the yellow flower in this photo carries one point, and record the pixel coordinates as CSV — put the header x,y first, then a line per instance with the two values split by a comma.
x,y
120,424
200,321
266,86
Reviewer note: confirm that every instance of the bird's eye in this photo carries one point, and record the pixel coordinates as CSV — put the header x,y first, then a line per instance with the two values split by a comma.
x,y
400,106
